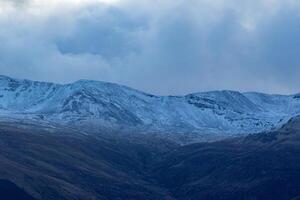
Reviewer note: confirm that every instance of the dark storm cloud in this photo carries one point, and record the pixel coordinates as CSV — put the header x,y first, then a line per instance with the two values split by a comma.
x,y
109,34
172,47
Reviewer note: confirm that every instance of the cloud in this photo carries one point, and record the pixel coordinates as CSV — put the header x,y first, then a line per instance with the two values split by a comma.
x,y
169,47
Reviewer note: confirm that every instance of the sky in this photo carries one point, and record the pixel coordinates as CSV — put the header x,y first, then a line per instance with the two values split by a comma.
x,y
165,47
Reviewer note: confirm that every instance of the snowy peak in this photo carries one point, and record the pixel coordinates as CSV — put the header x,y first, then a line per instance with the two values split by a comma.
x,y
96,104
21,95
223,100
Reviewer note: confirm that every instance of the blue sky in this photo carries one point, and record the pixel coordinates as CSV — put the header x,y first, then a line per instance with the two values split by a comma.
x,y
158,46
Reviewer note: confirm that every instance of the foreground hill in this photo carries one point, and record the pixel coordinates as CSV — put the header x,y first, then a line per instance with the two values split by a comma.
x,y
260,166
99,106
55,163
65,164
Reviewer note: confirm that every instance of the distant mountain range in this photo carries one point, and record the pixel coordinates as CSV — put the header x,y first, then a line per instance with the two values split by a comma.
x,y
97,106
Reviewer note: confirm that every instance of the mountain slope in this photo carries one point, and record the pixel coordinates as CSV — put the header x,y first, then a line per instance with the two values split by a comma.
x,y
98,106
64,164
260,166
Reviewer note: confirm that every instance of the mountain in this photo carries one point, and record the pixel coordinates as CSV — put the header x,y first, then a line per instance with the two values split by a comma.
x,y
97,106
93,140
62,163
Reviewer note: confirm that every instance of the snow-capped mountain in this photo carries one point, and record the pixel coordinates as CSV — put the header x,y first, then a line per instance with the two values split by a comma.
x,y
96,105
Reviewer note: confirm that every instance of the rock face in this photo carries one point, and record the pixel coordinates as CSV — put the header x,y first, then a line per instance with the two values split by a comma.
x,y
98,105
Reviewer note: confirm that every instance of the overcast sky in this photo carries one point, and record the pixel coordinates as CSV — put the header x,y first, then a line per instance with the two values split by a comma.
x,y
158,46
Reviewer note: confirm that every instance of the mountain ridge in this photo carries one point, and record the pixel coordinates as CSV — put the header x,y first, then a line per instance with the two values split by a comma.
x,y
98,105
